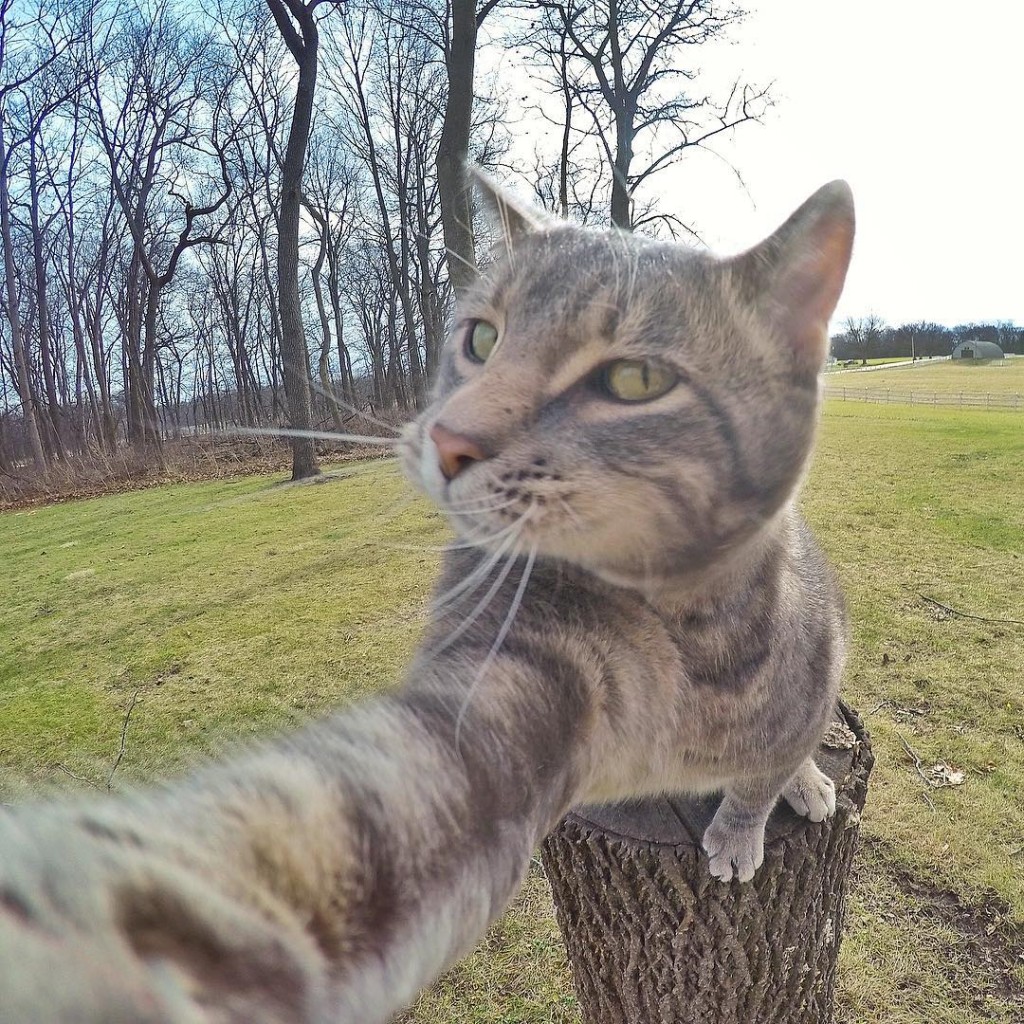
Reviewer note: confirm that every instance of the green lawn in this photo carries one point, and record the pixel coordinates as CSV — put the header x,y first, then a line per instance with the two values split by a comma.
x,y
232,608
228,607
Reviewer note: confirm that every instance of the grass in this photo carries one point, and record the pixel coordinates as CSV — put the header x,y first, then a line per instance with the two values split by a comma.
x,y
236,607
948,377
229,607
913,504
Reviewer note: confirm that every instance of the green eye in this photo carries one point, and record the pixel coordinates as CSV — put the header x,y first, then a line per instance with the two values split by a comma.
x,y
482,341
635,380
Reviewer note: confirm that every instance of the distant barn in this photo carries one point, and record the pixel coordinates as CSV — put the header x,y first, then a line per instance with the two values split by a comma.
x,y
977,350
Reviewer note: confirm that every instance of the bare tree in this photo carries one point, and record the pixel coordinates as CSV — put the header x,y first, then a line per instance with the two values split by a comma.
x,y
864,336
162,126
459,42
21,368
297,24
623,62
380,72
331,199
29,49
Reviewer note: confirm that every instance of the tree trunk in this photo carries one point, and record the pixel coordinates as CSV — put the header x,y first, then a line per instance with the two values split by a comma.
x,y
348,384
453,148
324,361
620,212
95,317
294,353
51,418
150,418
653,938
23,380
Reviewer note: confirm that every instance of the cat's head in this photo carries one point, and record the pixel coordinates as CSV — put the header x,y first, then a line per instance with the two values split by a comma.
x,y
633,406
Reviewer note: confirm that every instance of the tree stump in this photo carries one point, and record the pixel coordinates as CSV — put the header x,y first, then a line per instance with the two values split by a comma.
x,y
653,938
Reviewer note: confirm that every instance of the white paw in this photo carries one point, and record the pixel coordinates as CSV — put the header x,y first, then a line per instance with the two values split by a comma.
x,y
733,852
810,792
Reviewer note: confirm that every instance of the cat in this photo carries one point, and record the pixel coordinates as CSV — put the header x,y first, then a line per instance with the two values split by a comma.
x,y
618,432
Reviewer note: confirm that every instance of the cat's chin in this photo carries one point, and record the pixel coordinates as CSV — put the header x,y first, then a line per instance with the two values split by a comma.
x,y
676,579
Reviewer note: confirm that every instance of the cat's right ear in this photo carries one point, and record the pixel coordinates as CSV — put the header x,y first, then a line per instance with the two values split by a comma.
x,y
511,218
796,275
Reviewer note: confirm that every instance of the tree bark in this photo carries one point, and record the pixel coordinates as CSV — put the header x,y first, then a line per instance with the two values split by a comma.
x,y
23,380
621,214
324,360
51,418
453,147
294,352
653,937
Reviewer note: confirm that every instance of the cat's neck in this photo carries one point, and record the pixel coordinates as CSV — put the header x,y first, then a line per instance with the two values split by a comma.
x,y
685,591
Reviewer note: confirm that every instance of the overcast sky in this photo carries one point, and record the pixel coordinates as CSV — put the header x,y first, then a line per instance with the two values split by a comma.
x,y
919,104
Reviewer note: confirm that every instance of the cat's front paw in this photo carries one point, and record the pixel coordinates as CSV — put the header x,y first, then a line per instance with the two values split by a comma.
x,y
732,851
811,793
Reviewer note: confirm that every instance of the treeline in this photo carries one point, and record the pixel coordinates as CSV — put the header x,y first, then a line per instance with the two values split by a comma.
x,y
143,160
869,338
170,171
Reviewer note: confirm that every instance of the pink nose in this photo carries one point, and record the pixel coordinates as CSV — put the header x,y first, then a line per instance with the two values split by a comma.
x,y
454,451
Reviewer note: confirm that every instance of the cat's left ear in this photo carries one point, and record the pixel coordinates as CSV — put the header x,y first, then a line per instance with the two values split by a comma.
x,y
512,218
796,275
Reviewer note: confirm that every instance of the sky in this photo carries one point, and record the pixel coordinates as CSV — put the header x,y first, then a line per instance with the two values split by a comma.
x,y
919,105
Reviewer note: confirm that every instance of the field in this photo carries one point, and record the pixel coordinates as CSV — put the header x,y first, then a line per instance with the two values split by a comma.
x,y
947,377
217,610
870,362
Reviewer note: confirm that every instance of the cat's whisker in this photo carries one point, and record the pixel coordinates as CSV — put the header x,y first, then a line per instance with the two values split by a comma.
x,y
479,608
564,505
262,493
476,539
369,417
429,548
484,499
462,259
317,435
481,508
470,542
513,609
482,604
474,579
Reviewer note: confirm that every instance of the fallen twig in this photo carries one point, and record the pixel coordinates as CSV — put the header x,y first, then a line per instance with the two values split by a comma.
x,y
920,771
968,615
79,778
124,734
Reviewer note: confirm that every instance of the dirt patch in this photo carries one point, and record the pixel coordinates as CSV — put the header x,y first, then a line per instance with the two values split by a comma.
x,y
988,938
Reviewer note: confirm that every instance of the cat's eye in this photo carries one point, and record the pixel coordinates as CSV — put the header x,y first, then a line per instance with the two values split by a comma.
x,y
636,380
481,341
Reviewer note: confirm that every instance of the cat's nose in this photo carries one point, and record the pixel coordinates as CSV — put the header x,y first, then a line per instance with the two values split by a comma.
x,y
454,451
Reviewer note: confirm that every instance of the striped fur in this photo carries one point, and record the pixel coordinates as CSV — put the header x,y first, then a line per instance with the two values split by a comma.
x,y
666,622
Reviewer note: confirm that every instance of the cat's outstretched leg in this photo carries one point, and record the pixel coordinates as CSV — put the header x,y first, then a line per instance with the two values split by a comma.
x,y
734,841
811,793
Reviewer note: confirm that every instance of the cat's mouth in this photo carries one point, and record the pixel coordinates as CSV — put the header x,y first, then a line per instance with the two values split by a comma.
x,y
495,508
495,502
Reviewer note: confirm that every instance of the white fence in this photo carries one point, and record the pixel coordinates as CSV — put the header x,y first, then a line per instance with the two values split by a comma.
x,y
961,399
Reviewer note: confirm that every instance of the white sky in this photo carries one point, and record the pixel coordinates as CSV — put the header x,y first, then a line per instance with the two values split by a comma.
x,y
919,104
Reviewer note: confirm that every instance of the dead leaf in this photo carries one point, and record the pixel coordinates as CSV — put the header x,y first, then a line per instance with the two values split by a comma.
x,y
941,774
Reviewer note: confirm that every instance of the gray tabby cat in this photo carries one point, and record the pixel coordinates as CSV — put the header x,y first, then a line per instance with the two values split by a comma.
x,y
618,433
